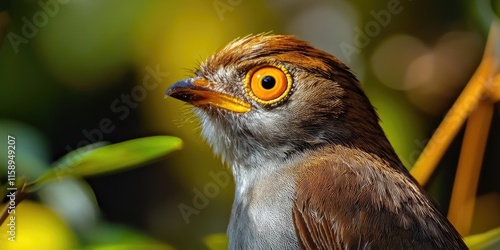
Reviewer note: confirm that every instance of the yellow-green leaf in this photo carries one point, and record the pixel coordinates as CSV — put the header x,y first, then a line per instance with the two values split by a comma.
x,y
485,241
132,247
114,157
216,241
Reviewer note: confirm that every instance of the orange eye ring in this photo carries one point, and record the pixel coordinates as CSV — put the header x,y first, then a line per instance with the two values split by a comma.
x,y
268,84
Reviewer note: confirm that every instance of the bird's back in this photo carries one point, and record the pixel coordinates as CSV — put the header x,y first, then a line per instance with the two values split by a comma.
x,y
355,200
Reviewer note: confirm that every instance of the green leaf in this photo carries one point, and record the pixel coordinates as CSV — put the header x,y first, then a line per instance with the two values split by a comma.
x,y
90,161
132,247
216,241
485,241
107,236
77,155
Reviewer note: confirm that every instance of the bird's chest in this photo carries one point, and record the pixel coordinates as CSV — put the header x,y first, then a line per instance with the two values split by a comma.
x,y
261,216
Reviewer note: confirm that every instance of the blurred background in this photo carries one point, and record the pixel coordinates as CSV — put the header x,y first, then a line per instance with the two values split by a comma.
x,y
75,72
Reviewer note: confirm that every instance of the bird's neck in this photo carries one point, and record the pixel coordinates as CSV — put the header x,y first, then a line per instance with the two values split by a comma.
x,y
249,171
376,143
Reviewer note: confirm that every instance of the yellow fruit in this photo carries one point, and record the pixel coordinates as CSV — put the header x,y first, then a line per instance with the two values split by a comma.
x,y
35,226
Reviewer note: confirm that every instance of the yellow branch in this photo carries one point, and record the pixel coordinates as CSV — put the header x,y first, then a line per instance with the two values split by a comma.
x,y
495,93
476,89
469,167
452,122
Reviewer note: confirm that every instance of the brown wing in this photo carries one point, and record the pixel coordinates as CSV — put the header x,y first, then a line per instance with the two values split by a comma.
x,y
352,200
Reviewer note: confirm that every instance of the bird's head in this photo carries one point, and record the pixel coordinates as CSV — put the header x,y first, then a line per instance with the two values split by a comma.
x,y
267,97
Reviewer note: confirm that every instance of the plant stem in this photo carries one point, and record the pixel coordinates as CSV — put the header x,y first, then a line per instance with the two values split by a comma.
x,y
20,194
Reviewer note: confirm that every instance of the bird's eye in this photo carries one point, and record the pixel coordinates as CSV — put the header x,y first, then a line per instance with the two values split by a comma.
x,y
268,84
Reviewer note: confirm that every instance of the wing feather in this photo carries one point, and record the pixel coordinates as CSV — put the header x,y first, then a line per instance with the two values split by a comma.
x,y
343,202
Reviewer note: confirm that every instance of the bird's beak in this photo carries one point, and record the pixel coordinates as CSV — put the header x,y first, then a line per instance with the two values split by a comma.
x,y
197,92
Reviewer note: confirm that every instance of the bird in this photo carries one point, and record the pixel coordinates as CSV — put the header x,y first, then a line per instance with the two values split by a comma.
x,y
312,167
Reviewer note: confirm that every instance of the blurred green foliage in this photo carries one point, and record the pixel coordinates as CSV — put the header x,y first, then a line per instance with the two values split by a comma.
x,y
216,241
85,162
489,240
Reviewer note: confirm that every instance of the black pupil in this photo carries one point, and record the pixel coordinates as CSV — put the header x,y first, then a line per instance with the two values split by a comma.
x,y
268,82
